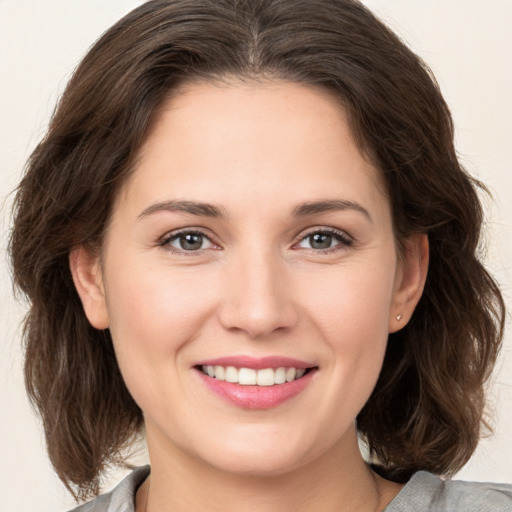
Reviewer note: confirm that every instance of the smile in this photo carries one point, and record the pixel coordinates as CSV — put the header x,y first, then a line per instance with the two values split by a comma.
x,y
256,383
253,377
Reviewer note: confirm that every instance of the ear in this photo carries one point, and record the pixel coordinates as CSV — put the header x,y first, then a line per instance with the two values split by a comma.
x,y
409,281
86,272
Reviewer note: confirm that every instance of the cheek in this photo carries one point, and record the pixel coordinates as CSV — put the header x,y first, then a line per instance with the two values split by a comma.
x,y
156,312
351,299
153,316
349,309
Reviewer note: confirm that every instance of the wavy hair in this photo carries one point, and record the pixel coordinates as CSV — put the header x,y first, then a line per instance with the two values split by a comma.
x,y
426,409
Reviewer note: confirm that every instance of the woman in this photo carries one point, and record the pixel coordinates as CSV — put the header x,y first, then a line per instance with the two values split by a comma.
x,y
259,246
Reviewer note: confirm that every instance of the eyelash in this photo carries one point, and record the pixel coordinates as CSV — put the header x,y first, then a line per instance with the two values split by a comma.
x,y
341,237
344,241
175,235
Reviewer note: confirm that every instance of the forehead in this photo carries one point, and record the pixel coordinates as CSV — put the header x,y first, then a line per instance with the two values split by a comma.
x,y
249,138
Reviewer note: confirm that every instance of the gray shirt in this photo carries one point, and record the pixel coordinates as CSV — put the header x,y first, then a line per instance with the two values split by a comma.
x,y
423,493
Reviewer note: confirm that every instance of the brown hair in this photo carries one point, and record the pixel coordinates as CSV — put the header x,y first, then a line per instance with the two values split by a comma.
x,y
426,409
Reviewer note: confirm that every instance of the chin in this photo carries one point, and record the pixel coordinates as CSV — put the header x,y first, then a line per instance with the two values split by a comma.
x,y
260,456
264,466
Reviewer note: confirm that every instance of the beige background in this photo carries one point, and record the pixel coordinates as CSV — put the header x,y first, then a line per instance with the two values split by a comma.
x,y
467,43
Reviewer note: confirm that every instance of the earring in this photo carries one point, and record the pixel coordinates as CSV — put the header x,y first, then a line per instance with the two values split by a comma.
x,y
399,317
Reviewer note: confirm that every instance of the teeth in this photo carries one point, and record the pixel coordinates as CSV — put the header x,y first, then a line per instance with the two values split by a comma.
x,y
247,376
220,373
290,374
231,374
280,376
251,377
266,377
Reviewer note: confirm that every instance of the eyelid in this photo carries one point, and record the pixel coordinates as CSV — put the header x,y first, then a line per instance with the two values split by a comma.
x,y
172,235
346,240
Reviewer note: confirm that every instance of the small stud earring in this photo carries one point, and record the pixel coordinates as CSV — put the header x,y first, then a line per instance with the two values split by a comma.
x,y
399,317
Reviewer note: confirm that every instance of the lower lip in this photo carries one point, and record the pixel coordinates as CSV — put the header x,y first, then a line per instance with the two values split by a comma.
x,y
256,397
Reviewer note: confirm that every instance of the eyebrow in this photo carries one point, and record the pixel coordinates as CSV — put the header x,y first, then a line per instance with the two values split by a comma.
x,y
210,210
191,207
329,205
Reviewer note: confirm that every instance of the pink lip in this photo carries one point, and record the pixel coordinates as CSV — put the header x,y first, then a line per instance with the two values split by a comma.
x,y
256,363
256,397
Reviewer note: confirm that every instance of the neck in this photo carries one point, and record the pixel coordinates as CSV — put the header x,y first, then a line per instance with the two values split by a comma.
x,y
335,482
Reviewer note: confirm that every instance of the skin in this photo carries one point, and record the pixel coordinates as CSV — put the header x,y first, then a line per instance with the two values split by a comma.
x,y
257,286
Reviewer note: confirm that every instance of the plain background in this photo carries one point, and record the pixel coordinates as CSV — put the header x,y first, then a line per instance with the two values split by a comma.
x,y
466,42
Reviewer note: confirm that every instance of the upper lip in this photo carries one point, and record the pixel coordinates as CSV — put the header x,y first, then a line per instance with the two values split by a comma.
x,y
256,363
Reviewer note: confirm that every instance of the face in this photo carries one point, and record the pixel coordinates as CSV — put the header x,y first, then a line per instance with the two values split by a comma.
x,y
252,242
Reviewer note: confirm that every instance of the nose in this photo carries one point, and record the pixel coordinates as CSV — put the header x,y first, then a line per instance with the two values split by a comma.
x,y
257,297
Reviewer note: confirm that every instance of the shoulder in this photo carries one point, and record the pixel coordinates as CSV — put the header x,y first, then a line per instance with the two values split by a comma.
x,y
121,498
428,493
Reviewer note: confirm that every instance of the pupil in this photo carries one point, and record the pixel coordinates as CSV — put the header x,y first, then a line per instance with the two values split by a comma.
x,y
191,242
320,241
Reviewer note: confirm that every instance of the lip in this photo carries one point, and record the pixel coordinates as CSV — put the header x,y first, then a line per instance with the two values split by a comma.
x,y
256,397
256,363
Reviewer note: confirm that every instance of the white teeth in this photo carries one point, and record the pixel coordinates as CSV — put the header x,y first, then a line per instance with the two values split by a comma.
x,y
220,372
300,372
231,374
266,377
290,374
251,377
280,376
247,377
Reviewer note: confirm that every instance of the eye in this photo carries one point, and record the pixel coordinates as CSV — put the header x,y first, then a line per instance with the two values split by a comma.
x,y
324,240
187,241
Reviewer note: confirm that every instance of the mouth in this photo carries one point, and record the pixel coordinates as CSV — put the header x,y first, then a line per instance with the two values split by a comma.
x,y
252,383
254,377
